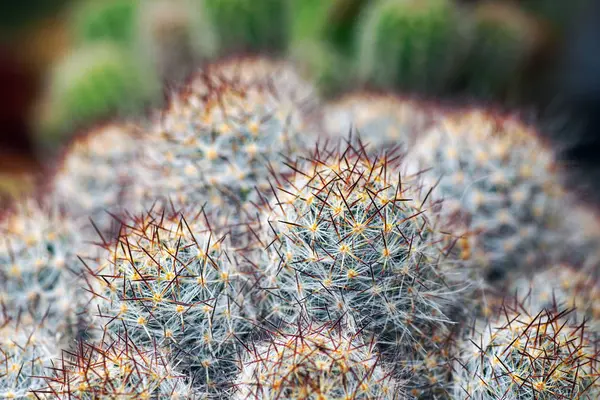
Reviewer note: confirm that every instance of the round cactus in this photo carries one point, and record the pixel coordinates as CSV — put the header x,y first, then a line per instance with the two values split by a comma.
x,y
175,35
323,41
382,121
314,362
25,353
324,65
332,22
224,137
113,20
169,282
504,41
562,286
428,44
93,82
95,175
245,25
521,355
115,369
353,240
37,262
500,174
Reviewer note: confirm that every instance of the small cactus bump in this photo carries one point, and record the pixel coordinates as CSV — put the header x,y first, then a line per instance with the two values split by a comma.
x,y
527,355
504,178
168,281
314,361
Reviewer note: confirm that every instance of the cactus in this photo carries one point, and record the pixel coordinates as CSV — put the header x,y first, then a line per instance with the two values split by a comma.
x,y
382,121
175,35
331,22
94,177
248,26
324,65
100,20
323,41
222,139
94,82
353,240
314,362
562,286
520,355
169,282
25,353
497,171
430,40
115,368
37,262
504,41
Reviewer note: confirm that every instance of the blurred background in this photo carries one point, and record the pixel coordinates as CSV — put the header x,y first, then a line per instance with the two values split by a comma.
x,y
67,65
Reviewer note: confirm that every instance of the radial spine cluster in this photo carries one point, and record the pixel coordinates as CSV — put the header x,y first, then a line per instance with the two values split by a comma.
x,y
525,355
312,361
169,282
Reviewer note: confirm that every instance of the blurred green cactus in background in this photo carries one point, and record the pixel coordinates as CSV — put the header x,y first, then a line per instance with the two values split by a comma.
x,y
113,20
94,82
505,39
411,44
247,25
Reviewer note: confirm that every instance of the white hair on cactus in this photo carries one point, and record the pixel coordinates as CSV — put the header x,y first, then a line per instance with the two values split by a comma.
x,y
500,174
314,362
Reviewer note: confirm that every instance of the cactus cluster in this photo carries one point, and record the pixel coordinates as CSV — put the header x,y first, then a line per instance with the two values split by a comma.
x,y
249,243
440,47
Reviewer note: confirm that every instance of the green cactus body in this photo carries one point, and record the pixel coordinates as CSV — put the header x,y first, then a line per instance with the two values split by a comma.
x,y
247,25
382,121
94,82
223,140
112,20
504,40
496,172
323,41
518,355
169,282
314,362
324,65
175,35
411,44
25,355
36,264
